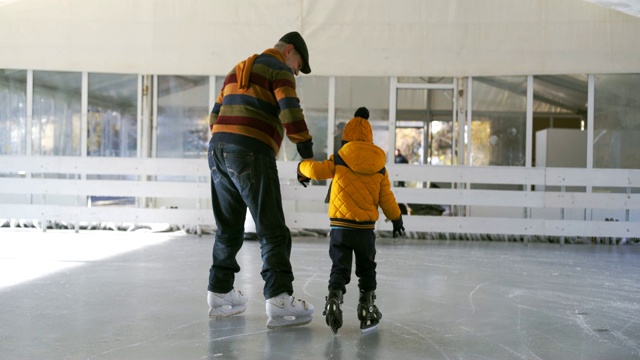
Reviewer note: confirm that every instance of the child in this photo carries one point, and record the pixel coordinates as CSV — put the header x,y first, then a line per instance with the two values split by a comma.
x,y
360,185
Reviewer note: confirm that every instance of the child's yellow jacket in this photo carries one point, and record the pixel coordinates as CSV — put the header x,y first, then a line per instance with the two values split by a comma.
x,y
360,184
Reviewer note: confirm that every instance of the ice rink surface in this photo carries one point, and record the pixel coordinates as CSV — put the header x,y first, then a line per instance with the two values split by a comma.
x,y
141,295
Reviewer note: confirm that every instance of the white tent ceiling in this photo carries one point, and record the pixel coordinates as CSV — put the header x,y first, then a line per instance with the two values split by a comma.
x,y
353,38
631,7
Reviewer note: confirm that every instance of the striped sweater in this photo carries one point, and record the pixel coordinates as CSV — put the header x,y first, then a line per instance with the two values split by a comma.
x,y
258,104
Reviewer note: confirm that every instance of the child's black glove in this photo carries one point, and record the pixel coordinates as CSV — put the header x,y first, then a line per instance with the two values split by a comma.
x,y
398,227
303,180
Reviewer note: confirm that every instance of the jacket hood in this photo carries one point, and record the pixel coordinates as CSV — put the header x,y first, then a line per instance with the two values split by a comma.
x,y
363,157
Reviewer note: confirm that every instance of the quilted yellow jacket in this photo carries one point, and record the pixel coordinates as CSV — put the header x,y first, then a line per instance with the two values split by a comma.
x,y
360,185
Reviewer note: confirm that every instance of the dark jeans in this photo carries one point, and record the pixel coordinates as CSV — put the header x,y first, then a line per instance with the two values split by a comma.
x,y
342,245
242,178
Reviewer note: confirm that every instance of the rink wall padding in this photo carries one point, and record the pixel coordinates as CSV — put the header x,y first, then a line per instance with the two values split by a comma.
x,y
554,202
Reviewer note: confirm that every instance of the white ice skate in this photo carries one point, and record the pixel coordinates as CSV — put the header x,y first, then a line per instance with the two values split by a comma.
x,y
221,305
285,310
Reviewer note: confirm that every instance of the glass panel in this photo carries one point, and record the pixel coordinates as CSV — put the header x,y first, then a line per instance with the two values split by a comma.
x,y
617,122
560,94
13,112
409,139
112,125
313,92
183,128
424,135
441,134
559,102
56,113
112,115
409,144
499,121
183,109
370,92
412,105
422,111
56,125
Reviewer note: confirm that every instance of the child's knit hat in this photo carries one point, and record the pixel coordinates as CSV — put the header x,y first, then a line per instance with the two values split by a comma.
x,y
358,128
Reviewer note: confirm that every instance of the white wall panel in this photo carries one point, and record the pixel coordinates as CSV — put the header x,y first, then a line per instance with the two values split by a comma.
x,y
345,38
494,211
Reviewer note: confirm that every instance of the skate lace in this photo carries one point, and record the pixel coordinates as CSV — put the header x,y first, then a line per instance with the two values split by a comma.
x,y
304,303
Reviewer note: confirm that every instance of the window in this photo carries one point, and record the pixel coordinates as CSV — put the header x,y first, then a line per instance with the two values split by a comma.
x,y
112,115
498,121
313,92
370,92
13,112
56,113
617,122
183,113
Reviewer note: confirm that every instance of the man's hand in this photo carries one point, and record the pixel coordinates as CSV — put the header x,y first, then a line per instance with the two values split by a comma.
x,y
398,227
303,180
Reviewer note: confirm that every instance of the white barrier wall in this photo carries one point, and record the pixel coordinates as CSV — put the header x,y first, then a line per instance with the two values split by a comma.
x,y
31,189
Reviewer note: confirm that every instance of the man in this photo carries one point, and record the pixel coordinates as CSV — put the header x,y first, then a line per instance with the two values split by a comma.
x,y
257,105
400,159
337,138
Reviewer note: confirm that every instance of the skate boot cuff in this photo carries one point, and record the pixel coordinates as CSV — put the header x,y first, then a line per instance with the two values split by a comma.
x,y
222,305
285,310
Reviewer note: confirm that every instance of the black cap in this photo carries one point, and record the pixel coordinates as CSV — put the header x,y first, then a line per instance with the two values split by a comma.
x,y
362,112
294,38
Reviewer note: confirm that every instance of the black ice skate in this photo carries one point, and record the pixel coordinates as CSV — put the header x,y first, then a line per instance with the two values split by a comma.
x,y
333,310
368,312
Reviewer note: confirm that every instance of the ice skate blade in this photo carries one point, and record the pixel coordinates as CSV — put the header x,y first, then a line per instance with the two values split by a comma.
x,y
369,329
222,313
274,324
334,323
334,331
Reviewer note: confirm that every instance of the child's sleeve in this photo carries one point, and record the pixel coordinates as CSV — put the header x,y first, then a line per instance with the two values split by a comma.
x,y
388,202
317,170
